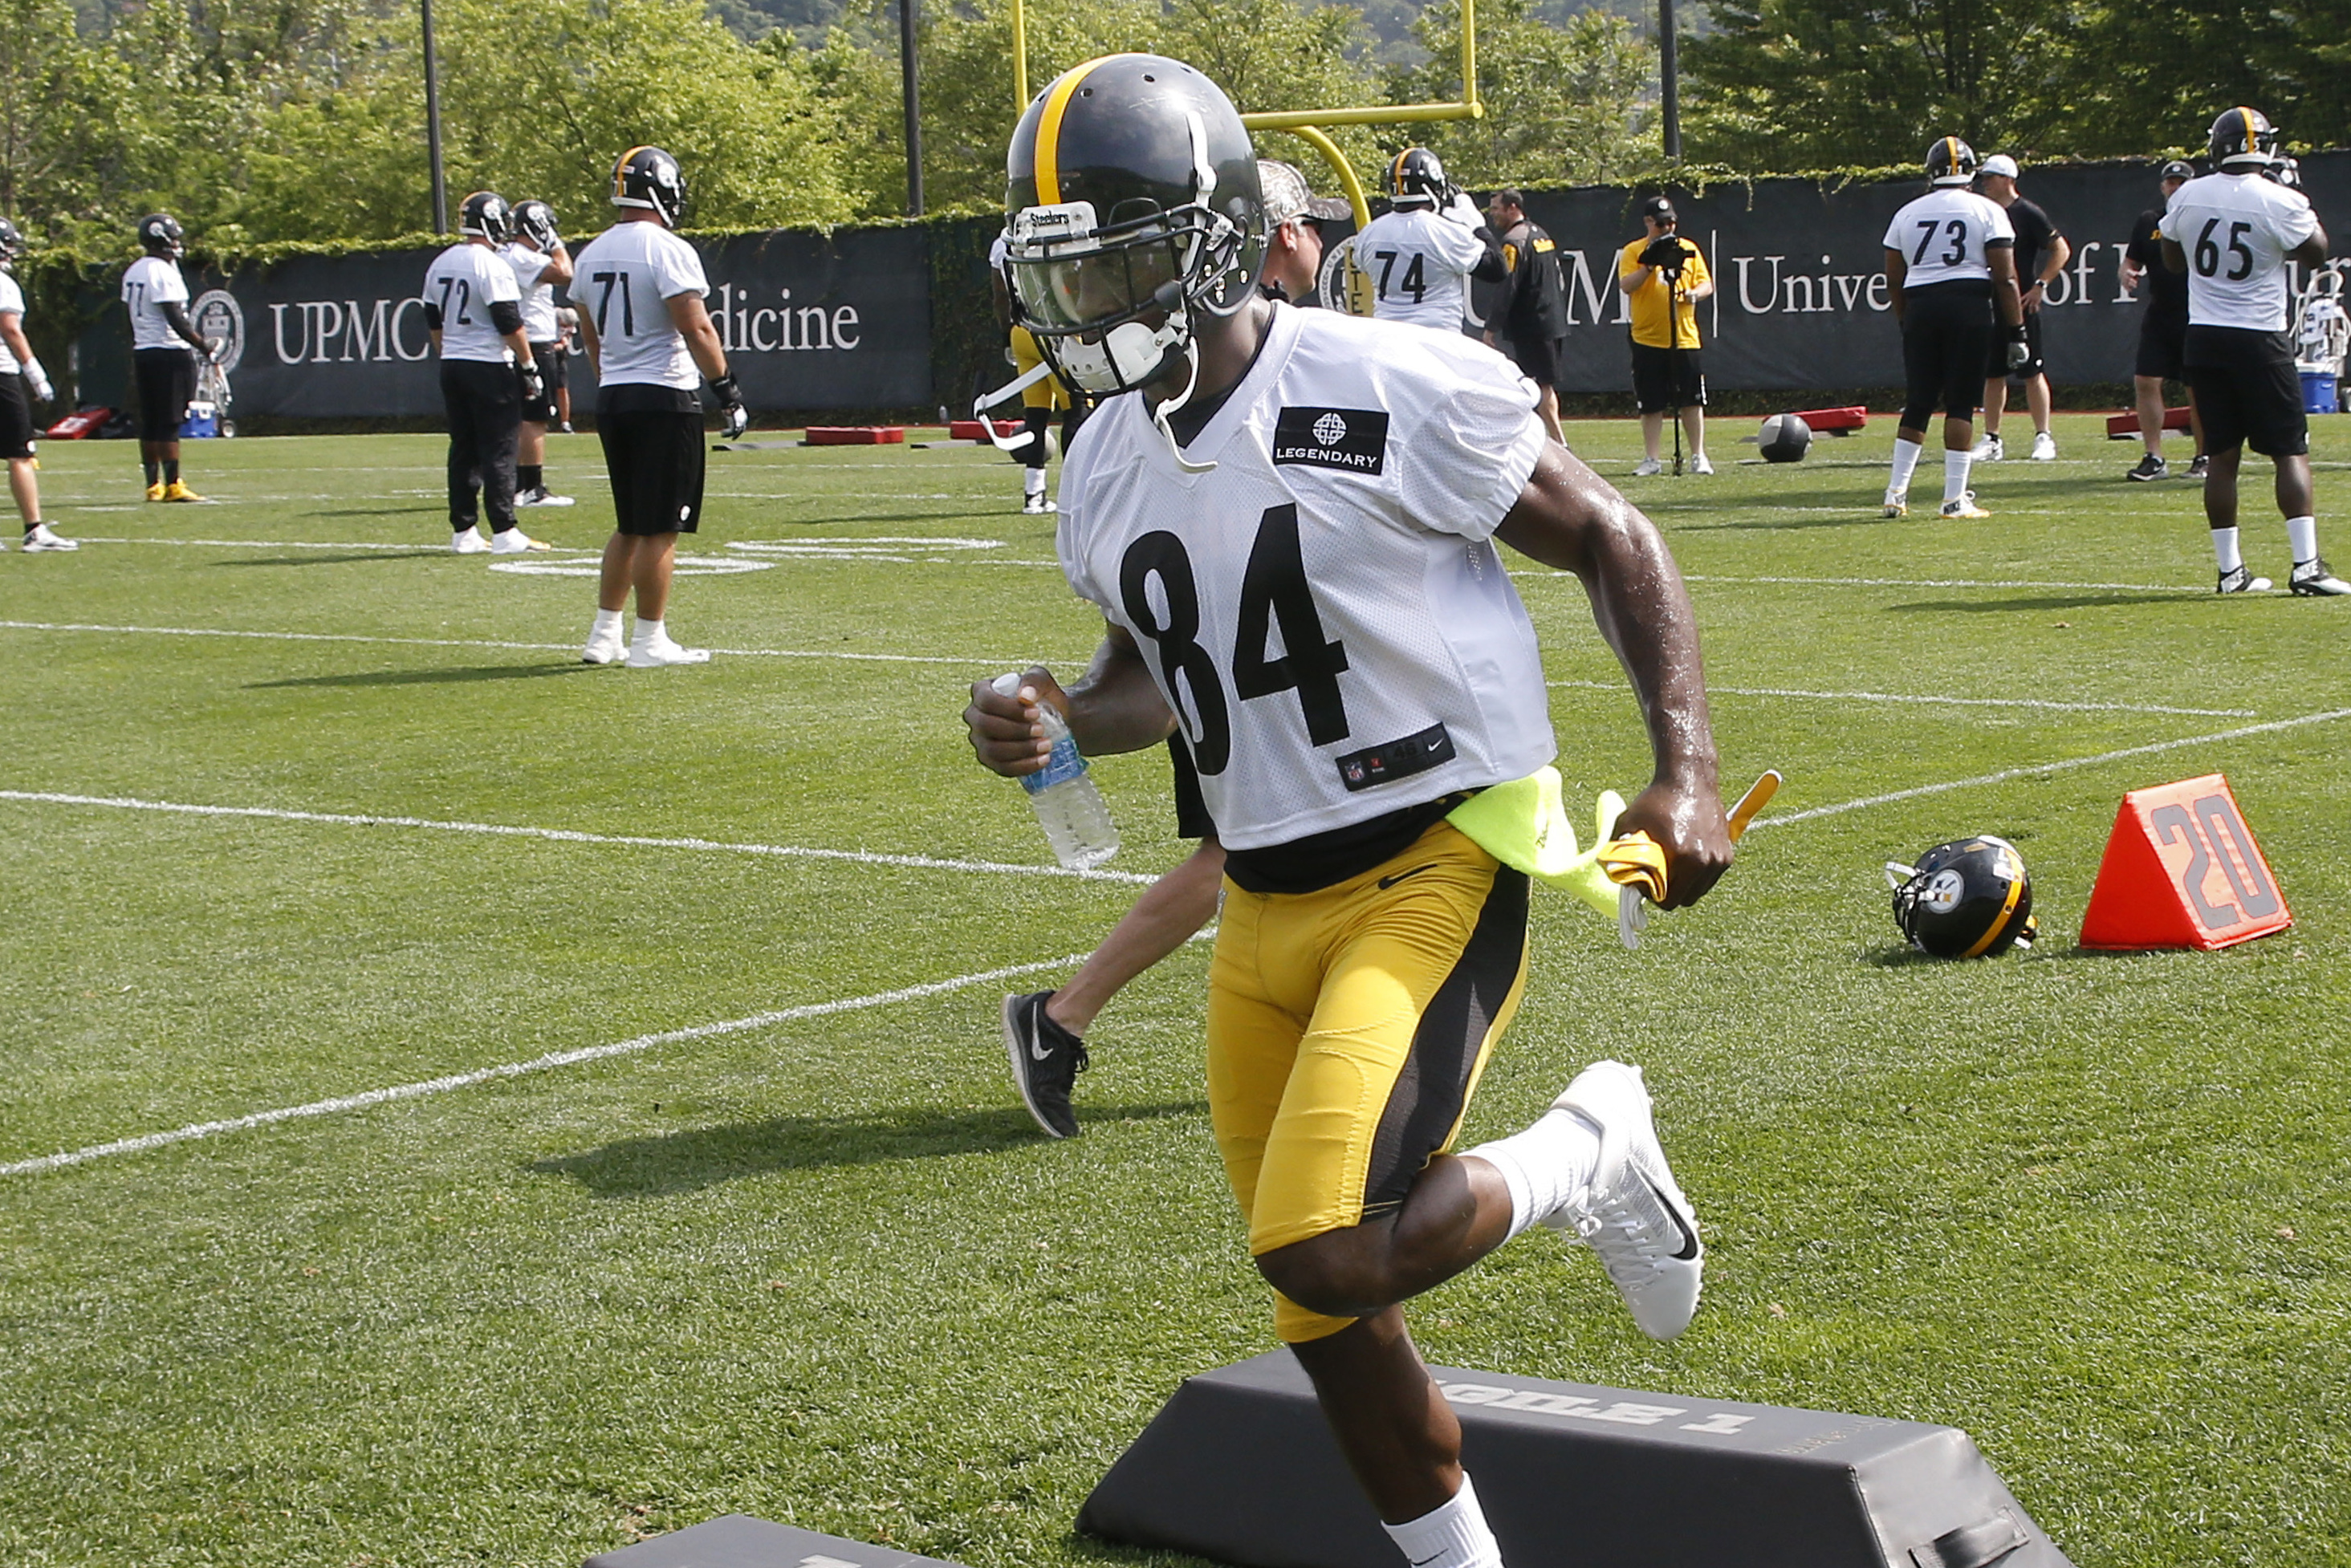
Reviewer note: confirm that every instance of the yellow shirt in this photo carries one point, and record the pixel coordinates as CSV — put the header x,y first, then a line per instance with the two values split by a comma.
x,y
1649,300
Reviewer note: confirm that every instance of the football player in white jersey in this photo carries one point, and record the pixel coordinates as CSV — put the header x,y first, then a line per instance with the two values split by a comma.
x,y
472,308
647,330
2232,231
164,346
1288,519
542,265
22,383
1951,265
1423,251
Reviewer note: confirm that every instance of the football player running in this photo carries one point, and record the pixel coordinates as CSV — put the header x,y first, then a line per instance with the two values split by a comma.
x,y
22,383
2232,231
163,344
473,308
647,330
542,265
1951,265
1259,471
1423,251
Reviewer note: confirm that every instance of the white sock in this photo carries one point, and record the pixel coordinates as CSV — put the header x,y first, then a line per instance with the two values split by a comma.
x,y
1955,474
608,624
649,632
1032,482
2302,537
1545,1166
1905,464
2225,549
1453,1536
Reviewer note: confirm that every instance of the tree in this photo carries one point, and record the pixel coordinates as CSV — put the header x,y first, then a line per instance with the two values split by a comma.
x,y
1562,103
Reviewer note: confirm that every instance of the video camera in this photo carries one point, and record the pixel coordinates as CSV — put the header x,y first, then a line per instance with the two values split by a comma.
x,y
1667,254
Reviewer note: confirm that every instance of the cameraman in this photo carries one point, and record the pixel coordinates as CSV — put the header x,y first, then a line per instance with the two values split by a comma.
x,y
1665,276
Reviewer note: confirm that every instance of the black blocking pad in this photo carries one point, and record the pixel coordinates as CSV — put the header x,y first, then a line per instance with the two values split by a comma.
x,y
739,1541
1239,1466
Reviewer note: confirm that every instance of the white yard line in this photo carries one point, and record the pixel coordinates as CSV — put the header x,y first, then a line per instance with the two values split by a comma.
x,y
1948,702
1005,663
566,836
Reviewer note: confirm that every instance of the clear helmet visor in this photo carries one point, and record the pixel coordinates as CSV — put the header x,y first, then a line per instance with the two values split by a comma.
x,y
1082,289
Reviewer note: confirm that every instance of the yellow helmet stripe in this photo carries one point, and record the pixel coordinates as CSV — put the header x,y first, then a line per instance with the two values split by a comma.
x,y
2008,908
621,167
1049,128
2245,119
1395,174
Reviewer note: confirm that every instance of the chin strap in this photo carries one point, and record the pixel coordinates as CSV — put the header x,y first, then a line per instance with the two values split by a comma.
x,y
1174,405
1005,394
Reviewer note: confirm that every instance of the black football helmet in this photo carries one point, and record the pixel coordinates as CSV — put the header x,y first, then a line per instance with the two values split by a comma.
x,y
2244,139
160,232
1967,898
1950,161
649,177
1133,201
485,216
1416,178
535,221
12,243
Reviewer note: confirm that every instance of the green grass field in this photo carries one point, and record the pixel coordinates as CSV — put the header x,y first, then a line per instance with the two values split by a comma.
x,y
2093,1209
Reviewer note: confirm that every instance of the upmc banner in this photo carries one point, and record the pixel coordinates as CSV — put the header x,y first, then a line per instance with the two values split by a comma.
x,y
809,321
1800,296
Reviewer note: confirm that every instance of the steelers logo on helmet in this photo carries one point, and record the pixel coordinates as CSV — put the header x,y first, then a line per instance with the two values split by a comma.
x,y
1967,898
2244,139
1950,162
535,221
1132,202
649,178
485,215
160,235
1416,178
12,243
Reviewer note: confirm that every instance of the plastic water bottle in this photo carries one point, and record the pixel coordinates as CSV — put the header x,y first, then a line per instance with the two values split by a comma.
x,y
1068,805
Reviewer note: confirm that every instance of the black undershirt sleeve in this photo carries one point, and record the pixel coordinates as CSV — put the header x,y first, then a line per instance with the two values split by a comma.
x,y
506,315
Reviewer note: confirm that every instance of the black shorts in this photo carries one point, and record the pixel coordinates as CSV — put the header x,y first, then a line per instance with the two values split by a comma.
x,y
1192,818
166,380
1996,356
16,419
653,453
1945,329
2247,391
1667,378
550,358
2162,348
1538,358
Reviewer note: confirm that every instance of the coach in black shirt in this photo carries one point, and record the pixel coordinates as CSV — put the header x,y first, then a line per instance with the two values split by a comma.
x,y
2041,254
2162,331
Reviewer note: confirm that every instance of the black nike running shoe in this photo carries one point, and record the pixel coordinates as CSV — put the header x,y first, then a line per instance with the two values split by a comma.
x,y
1046,1062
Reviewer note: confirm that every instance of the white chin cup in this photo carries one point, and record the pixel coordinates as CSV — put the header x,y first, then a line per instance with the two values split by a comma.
x,y
1127,354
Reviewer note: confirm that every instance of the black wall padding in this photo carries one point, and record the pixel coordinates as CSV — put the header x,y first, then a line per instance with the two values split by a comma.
x,y
1239,1467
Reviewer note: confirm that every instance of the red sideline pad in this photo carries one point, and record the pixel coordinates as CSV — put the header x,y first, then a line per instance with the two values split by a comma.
x,y
1834,419
973,430
855,435
2121,425
76,426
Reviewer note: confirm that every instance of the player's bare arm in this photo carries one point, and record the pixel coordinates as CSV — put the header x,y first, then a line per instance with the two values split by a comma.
x,y
1568,517
2312,252
588,341
1115,707
1897,269
559,267
182,323
692,320
2007,300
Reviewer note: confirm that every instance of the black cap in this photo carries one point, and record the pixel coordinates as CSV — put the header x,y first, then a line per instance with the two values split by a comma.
x,y
2179,169
1658,207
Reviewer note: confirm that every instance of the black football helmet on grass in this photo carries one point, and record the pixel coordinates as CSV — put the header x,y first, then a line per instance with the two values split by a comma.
x,y
650,177
1967,898
1132,198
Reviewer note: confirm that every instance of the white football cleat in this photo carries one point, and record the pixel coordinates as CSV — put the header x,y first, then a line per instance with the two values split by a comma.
x,y
1648,466
1897,503
1633,1214
540,496
469,542
1987,450
514,542
665,652
2044,447
1700,465
39,538
2313,578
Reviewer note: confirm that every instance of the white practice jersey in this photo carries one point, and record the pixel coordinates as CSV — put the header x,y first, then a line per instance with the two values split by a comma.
x,y
1944,234
149,284
12,302
1325,610
2236,230
537,298
463,283
624,280
1419,263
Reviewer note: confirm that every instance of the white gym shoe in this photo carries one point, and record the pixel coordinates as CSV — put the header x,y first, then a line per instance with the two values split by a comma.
x,y
1037,505
1897,503
1633,1214
1648,466
469,542
514,542
39,538
1989,450
1700,465
2044,447
540,496
604,647
666,652
2313,578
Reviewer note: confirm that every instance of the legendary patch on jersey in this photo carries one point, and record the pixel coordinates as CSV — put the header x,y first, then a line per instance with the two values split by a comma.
x,y
1354,439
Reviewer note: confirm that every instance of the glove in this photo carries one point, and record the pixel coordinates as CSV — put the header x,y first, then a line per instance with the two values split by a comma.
x,y
36,381
533,390
1463,211
734,418
2020,352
